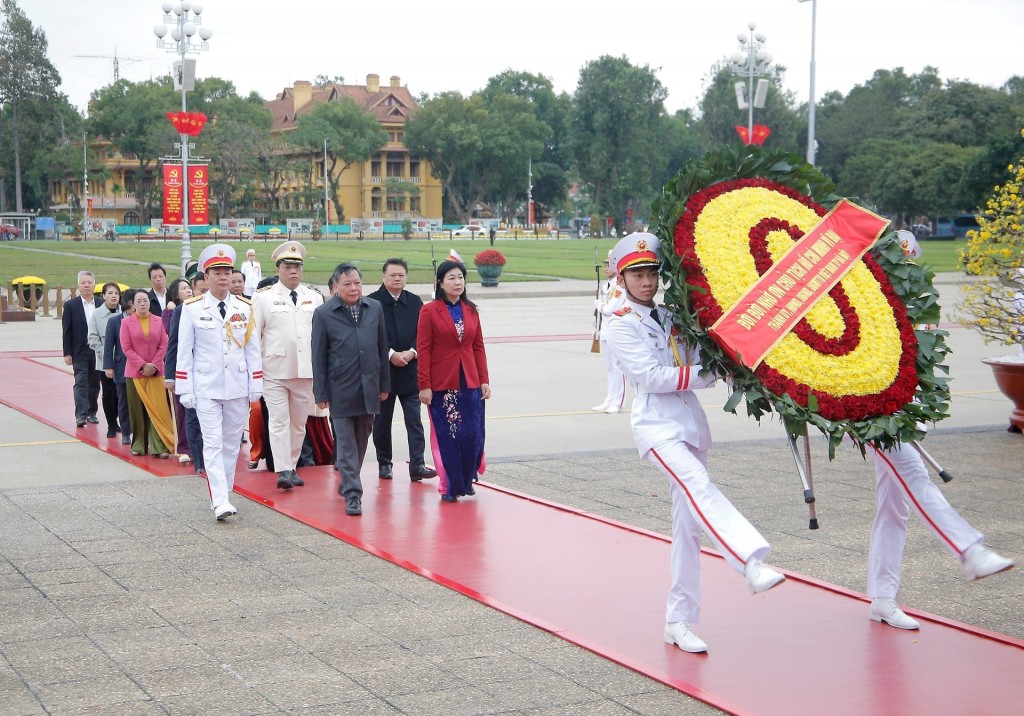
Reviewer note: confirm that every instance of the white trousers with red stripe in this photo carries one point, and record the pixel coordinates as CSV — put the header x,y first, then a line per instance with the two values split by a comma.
x,y
616,394
698,505
902,484
222,423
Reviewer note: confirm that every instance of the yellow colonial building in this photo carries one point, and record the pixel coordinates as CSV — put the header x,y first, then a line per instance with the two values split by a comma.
x,y
392,187
374,189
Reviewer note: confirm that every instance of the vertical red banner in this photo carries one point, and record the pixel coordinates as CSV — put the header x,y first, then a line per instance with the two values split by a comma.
x,y
174,194
198,194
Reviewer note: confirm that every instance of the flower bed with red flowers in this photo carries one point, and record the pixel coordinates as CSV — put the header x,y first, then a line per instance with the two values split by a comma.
x,y
489,257
854,365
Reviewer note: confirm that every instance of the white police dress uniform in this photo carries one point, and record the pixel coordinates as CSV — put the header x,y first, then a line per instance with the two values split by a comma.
x,y
671,431
902,484
284,325
219,370
611,297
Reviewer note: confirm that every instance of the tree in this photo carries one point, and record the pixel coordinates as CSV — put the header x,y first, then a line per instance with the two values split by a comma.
x,y
617,112
352,134
133,117
276,161
477,148
550,170
235,131
720,114
26,77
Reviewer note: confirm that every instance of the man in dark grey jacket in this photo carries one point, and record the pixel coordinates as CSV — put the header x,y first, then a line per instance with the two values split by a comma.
x,y
351,373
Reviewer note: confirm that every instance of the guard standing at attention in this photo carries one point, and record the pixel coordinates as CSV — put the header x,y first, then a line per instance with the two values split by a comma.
x,y
671,432
610,299
219,370
284,324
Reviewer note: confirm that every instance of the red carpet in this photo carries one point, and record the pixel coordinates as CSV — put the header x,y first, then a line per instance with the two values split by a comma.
x,y
806,647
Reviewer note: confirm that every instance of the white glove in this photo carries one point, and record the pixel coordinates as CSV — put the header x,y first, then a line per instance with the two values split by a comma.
x,y
255,397
187,400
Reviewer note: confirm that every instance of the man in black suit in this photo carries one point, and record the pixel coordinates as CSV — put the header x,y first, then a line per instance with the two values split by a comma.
x,y
158,294
401,314
114,361
350,373
77,353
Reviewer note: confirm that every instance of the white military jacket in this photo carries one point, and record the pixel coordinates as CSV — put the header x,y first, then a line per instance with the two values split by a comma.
x,y
663,374
218,358
612,297
286,330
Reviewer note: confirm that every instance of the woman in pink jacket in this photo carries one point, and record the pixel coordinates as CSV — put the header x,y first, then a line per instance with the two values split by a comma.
x,y
144,343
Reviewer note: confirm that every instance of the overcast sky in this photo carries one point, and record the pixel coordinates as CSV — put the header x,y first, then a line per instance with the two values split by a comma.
x,y
458,45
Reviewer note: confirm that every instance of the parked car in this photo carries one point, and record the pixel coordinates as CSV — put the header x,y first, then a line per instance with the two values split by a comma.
x,y
922,231
471,230
9,232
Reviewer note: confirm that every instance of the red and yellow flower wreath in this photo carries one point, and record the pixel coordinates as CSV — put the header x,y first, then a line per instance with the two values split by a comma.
x,y
854,364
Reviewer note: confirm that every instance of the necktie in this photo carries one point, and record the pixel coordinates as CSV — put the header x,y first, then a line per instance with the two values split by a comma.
x,y
223,310
656,316
295,299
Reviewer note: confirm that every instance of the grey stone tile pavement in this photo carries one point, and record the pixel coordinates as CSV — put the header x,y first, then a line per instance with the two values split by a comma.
x,y
120,595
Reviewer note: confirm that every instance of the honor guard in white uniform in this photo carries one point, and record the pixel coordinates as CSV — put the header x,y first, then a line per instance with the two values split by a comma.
x,y
219,370
610,298
902,485
671,431
284,324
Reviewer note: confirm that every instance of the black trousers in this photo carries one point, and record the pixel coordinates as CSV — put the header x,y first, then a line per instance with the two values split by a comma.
x,y
87,388
413,428
109,400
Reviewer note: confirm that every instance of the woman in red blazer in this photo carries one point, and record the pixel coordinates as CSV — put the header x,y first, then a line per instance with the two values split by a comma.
x,y
144,343
453,380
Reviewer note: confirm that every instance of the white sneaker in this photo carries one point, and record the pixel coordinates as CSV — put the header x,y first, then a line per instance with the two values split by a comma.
x,y
599,408
223,511
761,578
613,409
679,633
980,562
888,611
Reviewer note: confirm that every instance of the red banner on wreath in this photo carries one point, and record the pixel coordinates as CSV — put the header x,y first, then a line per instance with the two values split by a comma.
x,y
794,283
174,194
198,194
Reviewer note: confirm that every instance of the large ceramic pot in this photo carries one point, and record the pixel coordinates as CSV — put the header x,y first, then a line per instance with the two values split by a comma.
x,y
1009,377
489,274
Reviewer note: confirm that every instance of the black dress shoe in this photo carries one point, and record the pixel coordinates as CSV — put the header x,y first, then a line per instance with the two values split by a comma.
x,y
93,419
253,464
470,490
296,480
80,423
126,439
385,472
449,498
353,506
111,433
422,473
284,480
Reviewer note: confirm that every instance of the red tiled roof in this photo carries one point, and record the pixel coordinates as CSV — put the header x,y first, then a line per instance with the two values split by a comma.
x,y
390,105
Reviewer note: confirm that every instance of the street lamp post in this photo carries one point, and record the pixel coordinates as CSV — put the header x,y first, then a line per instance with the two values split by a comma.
x,y
752,61
812,144
185,21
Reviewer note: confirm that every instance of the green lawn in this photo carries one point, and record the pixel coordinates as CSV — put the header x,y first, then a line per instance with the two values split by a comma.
x,y
126,261
528,259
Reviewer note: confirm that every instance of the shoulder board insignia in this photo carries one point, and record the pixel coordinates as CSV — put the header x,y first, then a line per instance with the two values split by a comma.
x,y
244,300
265,288
194,299
623,311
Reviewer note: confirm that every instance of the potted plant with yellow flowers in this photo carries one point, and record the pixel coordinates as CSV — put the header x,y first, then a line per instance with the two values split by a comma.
x,y
993,305
489,264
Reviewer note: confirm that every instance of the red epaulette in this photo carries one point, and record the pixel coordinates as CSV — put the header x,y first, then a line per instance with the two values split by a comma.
x,y
622,311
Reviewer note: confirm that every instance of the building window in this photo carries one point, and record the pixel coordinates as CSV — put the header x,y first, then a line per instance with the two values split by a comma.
x,y
414,204
131,218
396,165
396,202
414,168
375,168
375,201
